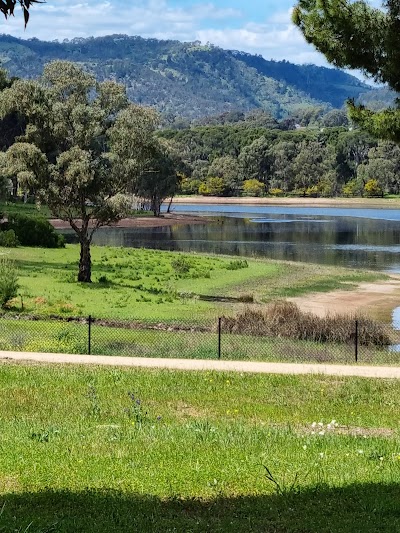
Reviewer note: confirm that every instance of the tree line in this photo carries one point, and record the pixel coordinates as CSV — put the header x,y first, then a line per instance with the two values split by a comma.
x,y
234,160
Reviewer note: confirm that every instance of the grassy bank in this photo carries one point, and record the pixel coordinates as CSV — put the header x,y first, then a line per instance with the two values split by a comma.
x,y
156,285
132,450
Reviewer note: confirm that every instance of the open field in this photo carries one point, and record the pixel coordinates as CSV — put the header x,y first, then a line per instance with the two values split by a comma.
x,y
165,286
89,449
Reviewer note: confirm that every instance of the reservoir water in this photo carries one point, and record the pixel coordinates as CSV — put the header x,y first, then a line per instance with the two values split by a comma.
x,y
360,238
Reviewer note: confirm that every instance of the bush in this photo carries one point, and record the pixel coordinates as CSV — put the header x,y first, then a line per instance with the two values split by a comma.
x,y
253,187
284,319
276,192
372,188
8,239
8,281
237,264
181,265
32,231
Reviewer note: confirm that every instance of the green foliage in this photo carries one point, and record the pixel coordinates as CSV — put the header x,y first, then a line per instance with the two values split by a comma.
x,y
181,265
359,36
237,264
213,187
372,188
83,147
276,192
8,281
253,187
189,186
33,231
8,239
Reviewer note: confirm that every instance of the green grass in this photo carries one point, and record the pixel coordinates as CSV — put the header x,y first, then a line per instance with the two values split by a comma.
x,y
143,284
78,453
72,338
8,208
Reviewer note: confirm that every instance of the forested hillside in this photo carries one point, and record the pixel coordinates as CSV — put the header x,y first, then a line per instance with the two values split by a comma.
x,y
188,79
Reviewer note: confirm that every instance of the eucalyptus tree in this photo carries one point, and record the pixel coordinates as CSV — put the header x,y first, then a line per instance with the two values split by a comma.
x,y
160,177
84,146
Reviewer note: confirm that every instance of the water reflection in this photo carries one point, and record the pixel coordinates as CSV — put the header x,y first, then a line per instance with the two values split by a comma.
x,y
350,241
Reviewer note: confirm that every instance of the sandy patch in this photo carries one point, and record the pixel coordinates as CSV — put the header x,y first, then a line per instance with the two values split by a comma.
x,y
373,299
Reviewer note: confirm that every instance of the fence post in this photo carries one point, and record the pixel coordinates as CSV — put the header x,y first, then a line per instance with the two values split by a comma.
x,y
89,334
219,338
356,342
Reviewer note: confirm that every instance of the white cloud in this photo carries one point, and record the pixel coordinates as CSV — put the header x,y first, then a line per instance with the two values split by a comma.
x,y
276,37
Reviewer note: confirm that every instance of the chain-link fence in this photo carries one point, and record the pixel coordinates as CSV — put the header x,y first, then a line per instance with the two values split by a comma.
x,y
360,341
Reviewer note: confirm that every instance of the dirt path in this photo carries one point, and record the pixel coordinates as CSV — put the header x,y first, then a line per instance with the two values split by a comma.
x,y
203,364
376,299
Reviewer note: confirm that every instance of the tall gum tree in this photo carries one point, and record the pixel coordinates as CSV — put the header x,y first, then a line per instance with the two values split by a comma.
x,y
83,147
356,35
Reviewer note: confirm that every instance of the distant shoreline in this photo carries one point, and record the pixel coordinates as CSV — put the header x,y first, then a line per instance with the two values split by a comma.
x,y
376,203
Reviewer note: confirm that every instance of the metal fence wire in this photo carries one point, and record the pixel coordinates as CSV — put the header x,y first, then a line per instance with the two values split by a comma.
x,y
360,341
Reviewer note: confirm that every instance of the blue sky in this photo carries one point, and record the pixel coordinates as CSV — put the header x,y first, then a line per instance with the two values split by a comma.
x,y
256,26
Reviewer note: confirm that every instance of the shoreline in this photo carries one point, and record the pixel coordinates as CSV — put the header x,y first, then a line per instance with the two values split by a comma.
x,y
376,203
167,219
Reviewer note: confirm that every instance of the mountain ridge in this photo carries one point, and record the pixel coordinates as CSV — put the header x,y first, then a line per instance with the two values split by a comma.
x,y
189,79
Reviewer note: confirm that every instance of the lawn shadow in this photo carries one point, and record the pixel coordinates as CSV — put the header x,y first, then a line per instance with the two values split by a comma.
x,y
357,508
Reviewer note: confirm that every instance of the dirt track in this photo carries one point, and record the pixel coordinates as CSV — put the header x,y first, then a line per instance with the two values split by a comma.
x,y
204,365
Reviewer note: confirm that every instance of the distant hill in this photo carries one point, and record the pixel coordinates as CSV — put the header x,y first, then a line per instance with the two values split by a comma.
x,y
188,79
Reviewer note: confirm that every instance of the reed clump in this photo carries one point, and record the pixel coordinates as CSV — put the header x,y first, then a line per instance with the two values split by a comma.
x,y
284,319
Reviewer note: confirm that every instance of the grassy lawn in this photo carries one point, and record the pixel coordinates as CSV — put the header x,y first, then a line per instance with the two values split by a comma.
x,y
161,286
89,449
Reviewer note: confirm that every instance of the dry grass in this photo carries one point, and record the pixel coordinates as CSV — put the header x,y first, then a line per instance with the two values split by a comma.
x,y
284,319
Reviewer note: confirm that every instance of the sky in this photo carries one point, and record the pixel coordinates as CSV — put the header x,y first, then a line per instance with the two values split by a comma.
x,y
255,26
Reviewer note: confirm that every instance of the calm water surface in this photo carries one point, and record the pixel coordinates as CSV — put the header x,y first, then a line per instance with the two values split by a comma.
x,y
362,238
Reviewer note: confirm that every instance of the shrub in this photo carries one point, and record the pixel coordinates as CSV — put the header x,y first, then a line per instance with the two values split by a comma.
x,y
8,281
237,264
253,187
214,186
8,239
33,231
181,265
373,188
284,319
276,192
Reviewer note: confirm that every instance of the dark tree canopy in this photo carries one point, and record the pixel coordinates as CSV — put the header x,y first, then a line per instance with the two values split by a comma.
x,y
355,35
7,7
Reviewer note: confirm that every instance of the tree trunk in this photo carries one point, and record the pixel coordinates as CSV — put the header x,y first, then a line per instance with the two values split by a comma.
x,y
169,205
85,262
156,206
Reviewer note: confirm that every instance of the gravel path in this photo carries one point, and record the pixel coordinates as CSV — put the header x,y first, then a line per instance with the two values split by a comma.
x,y
206,364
